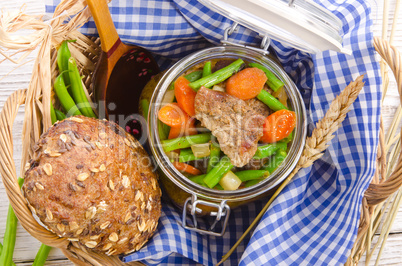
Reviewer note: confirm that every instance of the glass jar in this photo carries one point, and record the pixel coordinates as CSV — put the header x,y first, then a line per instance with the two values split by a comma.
x,y
199,200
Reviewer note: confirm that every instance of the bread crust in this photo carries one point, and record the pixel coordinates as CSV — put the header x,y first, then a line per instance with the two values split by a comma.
x,y
91,182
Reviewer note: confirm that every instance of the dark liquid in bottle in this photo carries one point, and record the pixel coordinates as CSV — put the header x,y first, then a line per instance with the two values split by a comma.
x,y
129,76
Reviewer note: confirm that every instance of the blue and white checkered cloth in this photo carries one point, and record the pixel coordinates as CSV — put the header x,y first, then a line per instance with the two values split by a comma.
x,y
314,220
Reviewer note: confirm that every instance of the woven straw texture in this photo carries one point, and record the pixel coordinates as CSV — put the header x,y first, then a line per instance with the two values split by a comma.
x,y
49,35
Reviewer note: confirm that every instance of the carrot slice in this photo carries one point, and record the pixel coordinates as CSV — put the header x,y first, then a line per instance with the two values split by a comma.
x,y
278,126
174,132
247,83
183,167
172,115
178,131
185,95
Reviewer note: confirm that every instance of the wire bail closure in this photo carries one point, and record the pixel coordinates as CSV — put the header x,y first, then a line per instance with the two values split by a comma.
x,y
265,43
223,210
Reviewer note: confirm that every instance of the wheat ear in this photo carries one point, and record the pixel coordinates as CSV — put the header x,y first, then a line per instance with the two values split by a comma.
x,y
315,145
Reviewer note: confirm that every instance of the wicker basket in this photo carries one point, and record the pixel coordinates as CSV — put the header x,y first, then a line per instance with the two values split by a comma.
x,y
86,50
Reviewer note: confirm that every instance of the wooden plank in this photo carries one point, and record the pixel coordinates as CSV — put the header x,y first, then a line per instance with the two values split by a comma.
x,y
391,255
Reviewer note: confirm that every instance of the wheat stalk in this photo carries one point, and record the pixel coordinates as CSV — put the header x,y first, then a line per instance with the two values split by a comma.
x,y
315,145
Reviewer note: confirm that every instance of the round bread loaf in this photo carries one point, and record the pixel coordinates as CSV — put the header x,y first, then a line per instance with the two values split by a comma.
x,y
91,182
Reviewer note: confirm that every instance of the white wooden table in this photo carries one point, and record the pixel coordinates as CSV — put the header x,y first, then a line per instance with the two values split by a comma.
x,y
27,246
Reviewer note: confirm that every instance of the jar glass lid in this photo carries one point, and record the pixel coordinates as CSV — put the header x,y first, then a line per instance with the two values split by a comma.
x,y
301,24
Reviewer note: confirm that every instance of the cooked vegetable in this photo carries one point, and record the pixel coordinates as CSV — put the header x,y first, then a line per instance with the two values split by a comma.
x,y
281,96
185,95
64,97
213,157
172,115
270,101
41,256
52,114
63,54
278,126
269,149
230,181
185,142
207,70
247,175
218,187
193,76
216,174
199,179
77,90
168,97
60,115
218,76
201,150
163,130
275,161
288,138
173,155
246,84
185,130
186,155
174,132
186,168
273,82
218,88
252,182
145,108
6,256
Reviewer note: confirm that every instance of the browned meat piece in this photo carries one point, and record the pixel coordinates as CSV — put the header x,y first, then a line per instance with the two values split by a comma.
x,y
258,106
221,64
236,126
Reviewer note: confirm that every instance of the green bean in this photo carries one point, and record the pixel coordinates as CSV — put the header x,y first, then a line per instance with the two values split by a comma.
x,y
1,248
273,82
193,76
213,156
199,179
185,142
52,114
270,101
275,161
252,182
187,155
145,108
163,130
60,115
269,149
216,174
77,89
6,256
63,54
218,76
207,70
41,256
64,97
247,175
219,187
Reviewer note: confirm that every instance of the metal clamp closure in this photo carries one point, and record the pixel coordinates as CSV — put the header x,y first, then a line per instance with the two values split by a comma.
x,y
223,210
266,41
